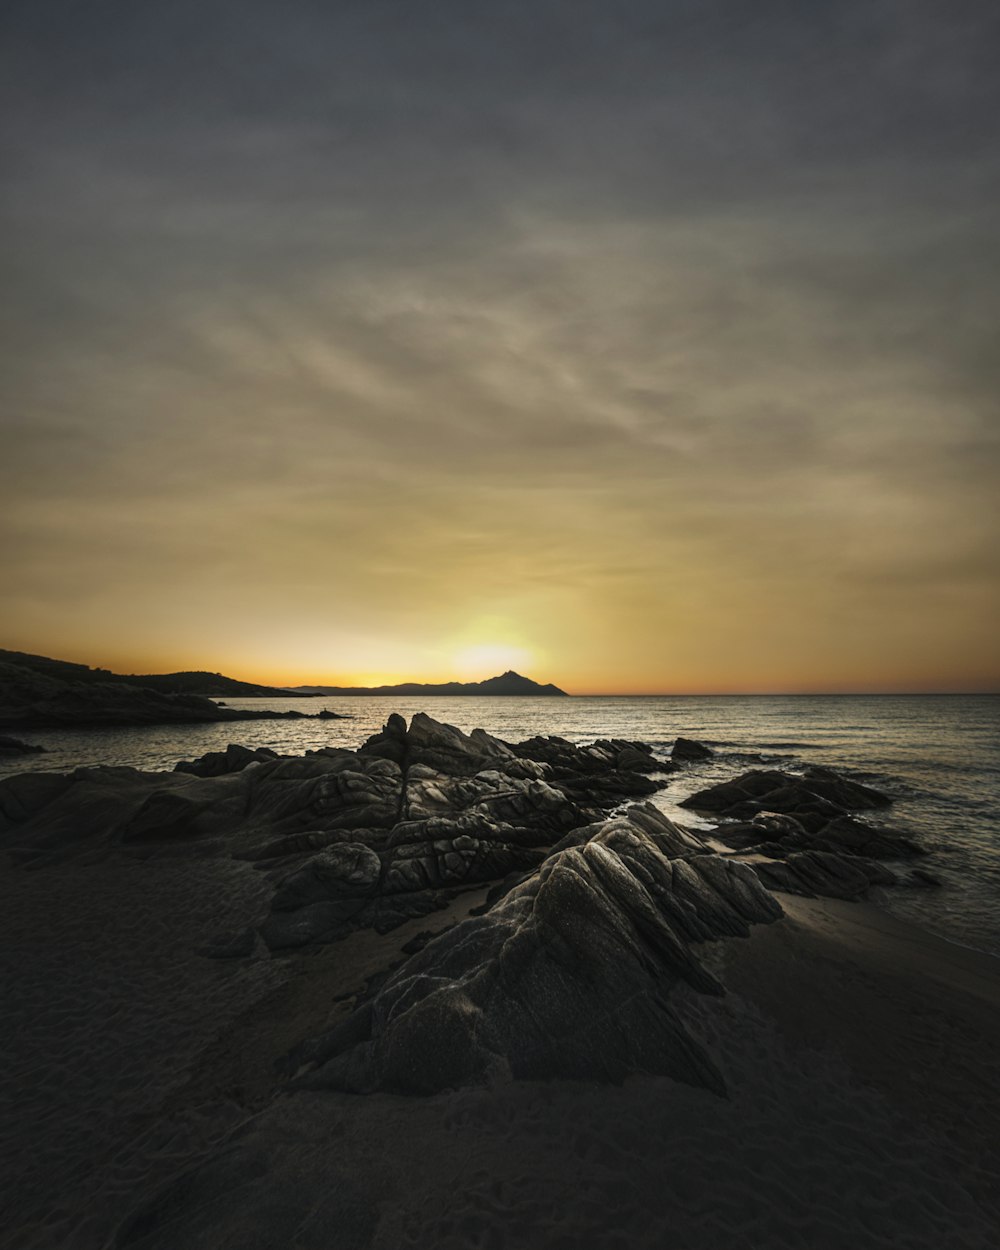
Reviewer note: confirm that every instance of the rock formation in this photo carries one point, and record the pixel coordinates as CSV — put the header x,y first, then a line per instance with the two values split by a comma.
x,y
778,814
824,873
590,918
568,975
219,763
815,798
689,752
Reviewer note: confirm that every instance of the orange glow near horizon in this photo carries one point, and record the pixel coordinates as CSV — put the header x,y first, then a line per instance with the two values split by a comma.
x,y
626,376
478,662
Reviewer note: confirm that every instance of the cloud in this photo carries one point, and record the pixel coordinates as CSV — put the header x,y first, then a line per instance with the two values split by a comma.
x,y
661,333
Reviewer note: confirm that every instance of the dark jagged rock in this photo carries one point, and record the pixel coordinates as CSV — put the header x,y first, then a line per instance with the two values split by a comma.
x,y
219,763
315,797
98,809
820,872
606,772
857,837
455,828
803,825
496,797
805,822
335,891
589,922
442,748
690,752
820,792
778,814
14,746
569,975
777,834
772,827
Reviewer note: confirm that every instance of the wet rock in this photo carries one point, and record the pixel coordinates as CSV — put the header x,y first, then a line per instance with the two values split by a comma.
x,y
770,827
777,834
857,837
819,872
220,763
777,813
416,870
688,751
820,791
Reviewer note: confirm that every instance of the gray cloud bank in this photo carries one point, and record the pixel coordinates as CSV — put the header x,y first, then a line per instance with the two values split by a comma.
x,y
677,316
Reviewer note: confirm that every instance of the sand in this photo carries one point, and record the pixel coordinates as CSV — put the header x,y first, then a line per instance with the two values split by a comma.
x,y
861,1056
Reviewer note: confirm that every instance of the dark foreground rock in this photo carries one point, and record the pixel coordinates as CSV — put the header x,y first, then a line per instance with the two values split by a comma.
x,y
589,920
578,935
568,975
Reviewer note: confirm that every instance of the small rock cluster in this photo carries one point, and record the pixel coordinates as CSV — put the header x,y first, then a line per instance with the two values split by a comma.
x,y
805,824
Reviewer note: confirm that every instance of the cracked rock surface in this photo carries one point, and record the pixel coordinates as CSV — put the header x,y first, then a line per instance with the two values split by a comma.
x,y
568,975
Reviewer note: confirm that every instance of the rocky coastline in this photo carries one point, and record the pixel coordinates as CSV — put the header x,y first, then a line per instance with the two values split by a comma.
x,y
438,913
30,701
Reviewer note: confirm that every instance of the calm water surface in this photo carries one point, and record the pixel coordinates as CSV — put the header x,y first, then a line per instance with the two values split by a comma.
x,y
939,756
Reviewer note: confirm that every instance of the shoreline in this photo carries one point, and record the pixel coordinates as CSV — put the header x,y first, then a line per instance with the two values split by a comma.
x,y
208,1097
858,1054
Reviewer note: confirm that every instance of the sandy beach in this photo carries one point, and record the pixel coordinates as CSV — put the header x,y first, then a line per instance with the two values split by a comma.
x,y
862,1058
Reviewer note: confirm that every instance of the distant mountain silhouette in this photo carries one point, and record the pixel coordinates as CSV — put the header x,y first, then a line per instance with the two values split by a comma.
x,y
40,693
212,685
509,683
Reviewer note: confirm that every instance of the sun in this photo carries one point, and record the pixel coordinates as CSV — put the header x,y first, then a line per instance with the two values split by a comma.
x,y
489,659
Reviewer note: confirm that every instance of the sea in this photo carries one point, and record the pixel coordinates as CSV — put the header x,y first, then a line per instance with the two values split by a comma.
x,y
938,756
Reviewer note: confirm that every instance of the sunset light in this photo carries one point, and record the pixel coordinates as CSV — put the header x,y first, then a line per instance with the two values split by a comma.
x,y
499,668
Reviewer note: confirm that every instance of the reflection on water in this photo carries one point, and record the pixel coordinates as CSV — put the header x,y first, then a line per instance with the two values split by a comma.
x,y
938,755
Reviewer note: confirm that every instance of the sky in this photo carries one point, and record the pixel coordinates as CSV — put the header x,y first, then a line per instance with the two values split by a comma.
x,y
641,346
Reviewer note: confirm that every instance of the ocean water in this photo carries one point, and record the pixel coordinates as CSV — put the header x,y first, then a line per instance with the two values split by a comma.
x,y
938,756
